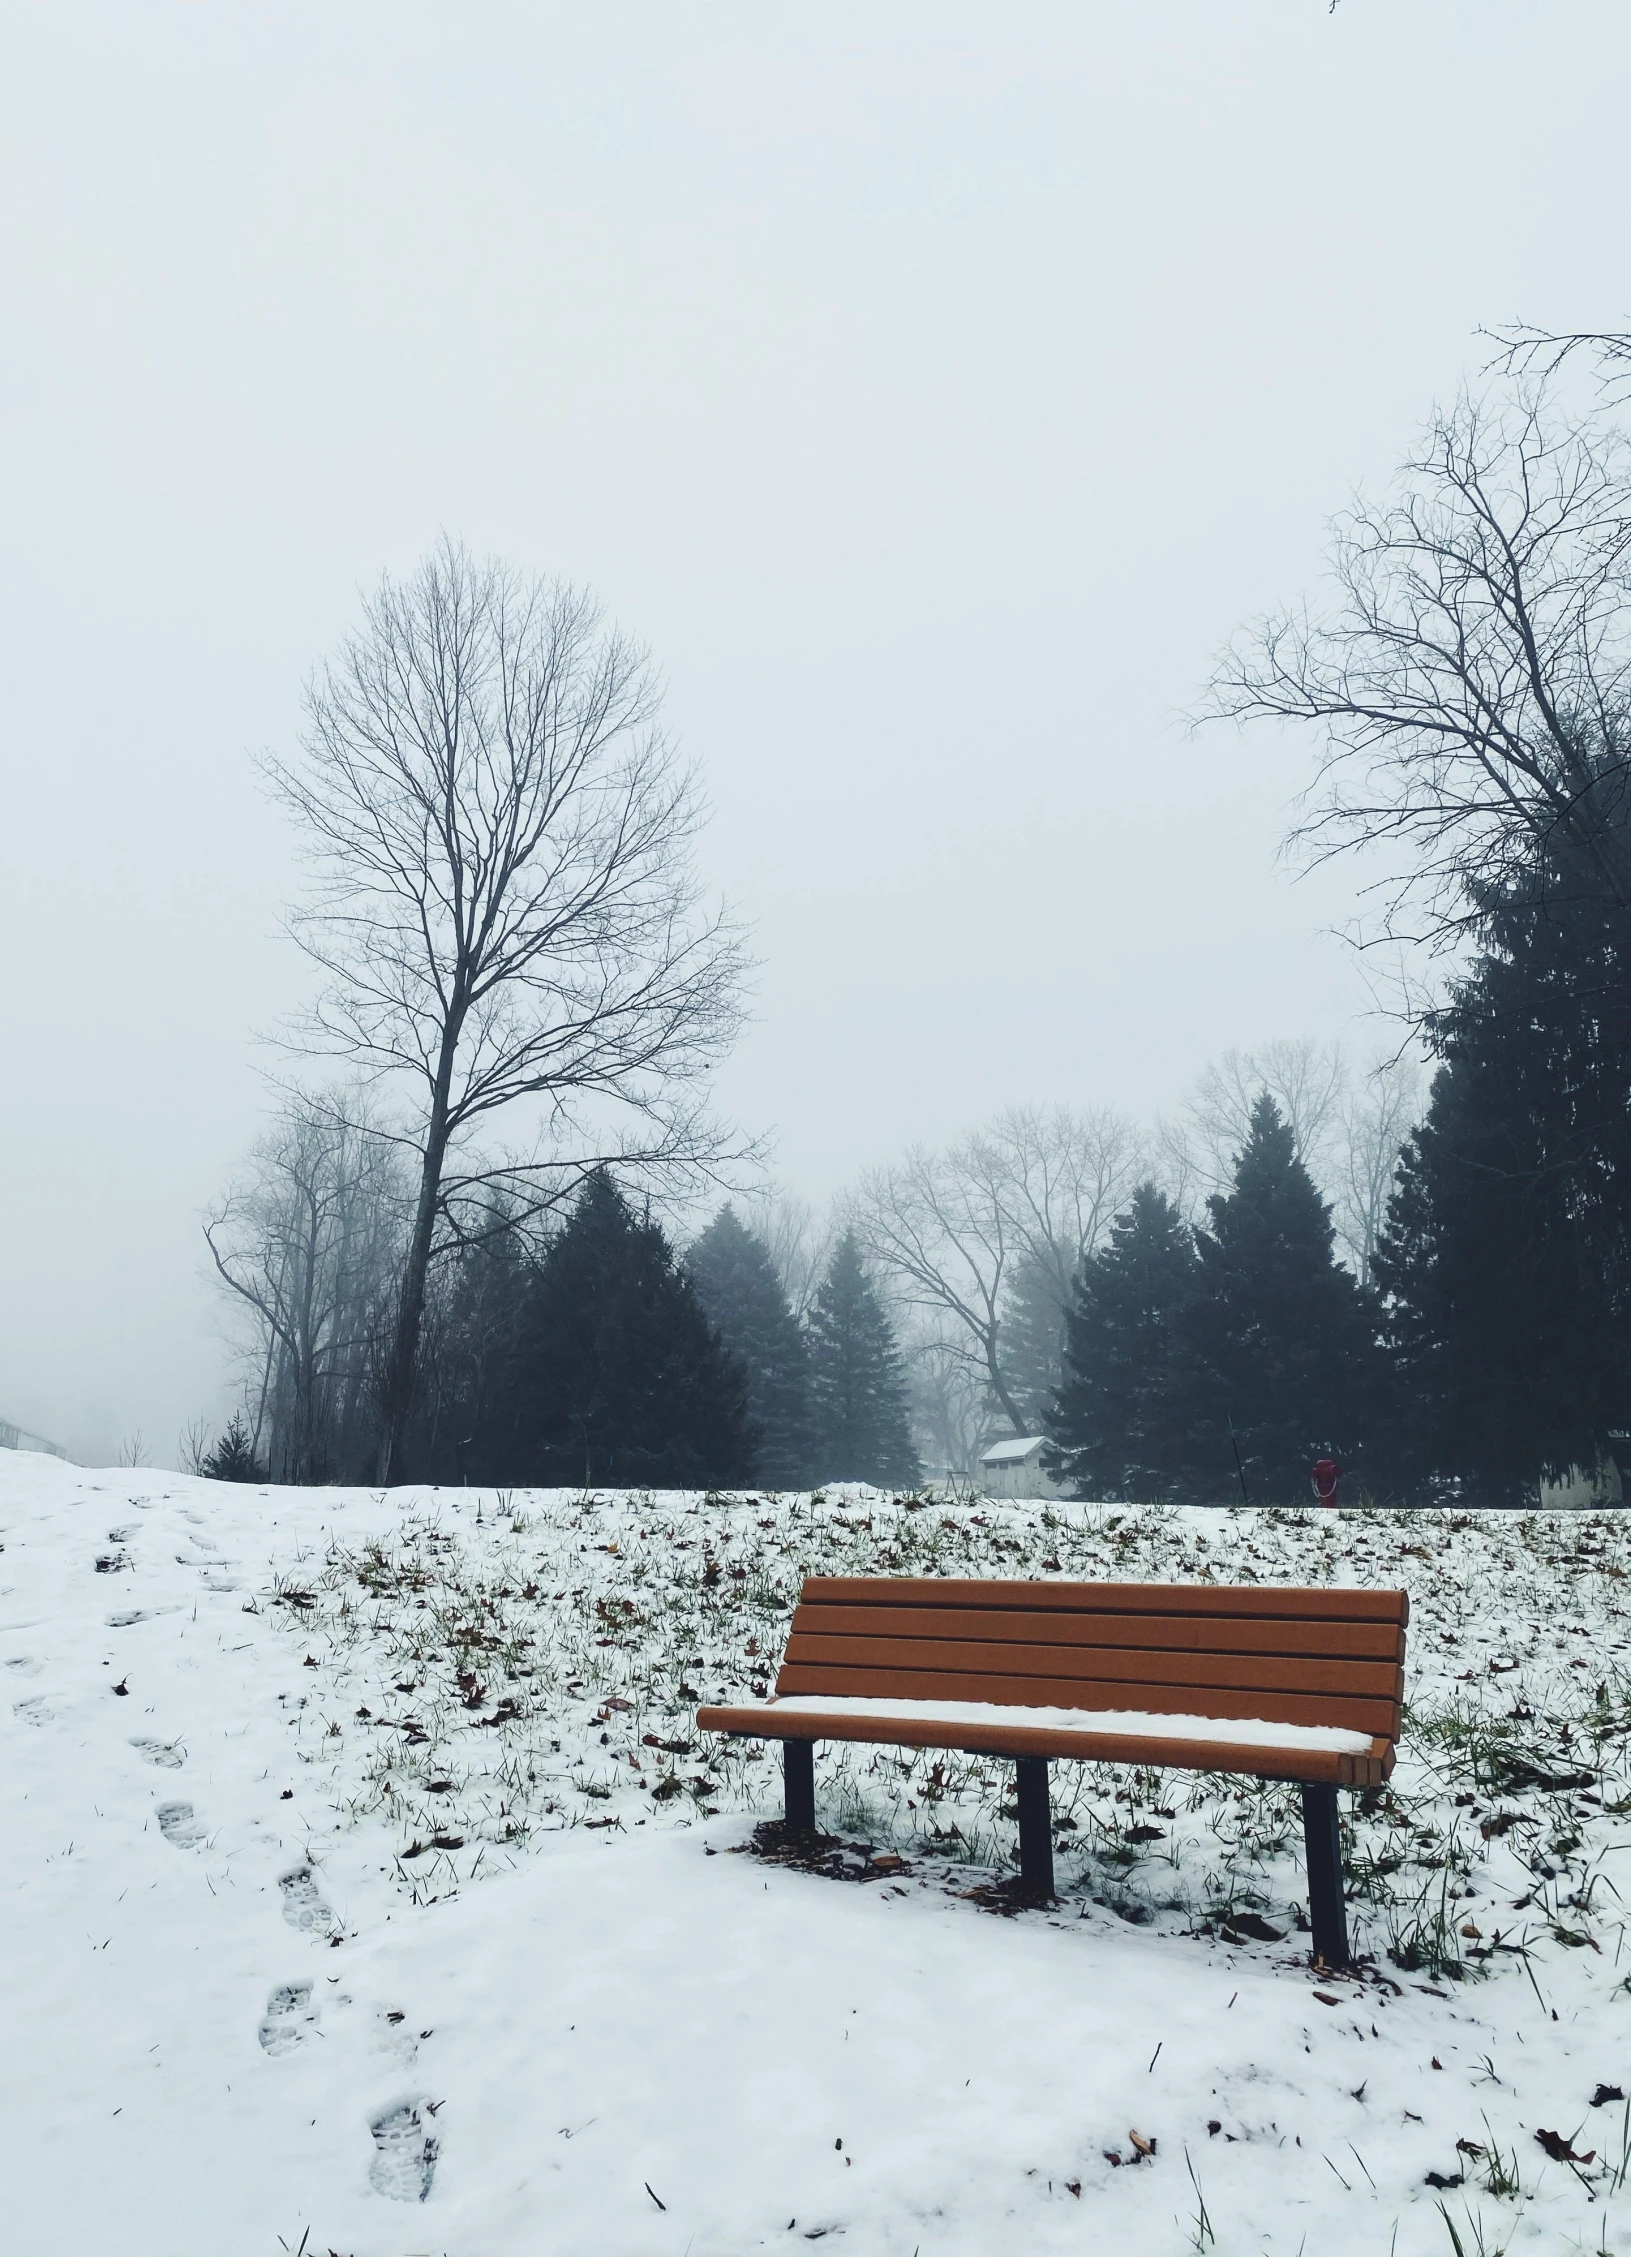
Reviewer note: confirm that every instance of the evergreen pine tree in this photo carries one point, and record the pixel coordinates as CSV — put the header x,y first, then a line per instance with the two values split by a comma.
x,y
233,1457
1117,1426
1279,1339
1032,1338
622,1378
472,1395
739,1289
1506,1259
857,1391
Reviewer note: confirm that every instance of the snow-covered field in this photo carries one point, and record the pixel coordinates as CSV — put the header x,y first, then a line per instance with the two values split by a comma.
x,y
368,1890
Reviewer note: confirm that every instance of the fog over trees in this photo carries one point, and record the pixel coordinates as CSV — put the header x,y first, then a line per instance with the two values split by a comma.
x,y
309,1243
1425,1277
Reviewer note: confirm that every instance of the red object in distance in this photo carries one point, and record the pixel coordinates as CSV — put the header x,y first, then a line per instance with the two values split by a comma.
x,y
1327,1473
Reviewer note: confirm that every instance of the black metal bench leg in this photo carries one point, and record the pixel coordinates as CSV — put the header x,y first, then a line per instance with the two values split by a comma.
x,y
798,1775
1035,1825
1322,1840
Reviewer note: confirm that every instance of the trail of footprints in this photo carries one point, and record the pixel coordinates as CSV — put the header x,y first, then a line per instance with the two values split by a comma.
x,y
403,2167
403,2164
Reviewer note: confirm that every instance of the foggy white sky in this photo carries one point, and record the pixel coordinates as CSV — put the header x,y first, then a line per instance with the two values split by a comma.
x,y
934,394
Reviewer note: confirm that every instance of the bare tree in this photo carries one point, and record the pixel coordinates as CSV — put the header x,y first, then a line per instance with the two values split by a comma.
x,y
951,1406
1471,681
310,1245
937,1226
1067,1173
949,1228
1347,1136
505,904
1376,1120
1178,1165
1306,1079
798,1241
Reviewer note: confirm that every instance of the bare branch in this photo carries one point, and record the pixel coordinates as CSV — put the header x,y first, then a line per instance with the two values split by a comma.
x,y
1470,683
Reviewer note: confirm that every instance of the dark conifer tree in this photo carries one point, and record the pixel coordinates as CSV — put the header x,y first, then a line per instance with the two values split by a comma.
x,y
233,1457
1279,1340
1506,1260
1032,1339
743,1298
857,1391
470,1397
619,1376
1118,1426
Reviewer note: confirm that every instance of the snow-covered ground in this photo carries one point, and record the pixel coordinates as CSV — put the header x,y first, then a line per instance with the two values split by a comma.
x,y
367,1889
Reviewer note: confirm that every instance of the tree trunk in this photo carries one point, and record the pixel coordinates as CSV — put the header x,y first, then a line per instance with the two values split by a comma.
x,y
397,1391
999,1386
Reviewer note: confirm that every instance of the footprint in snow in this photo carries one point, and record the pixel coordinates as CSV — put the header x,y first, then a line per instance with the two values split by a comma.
x,y
303,1905
165,1753
289,2019
404,2164
35,1711
392,2035
178,1825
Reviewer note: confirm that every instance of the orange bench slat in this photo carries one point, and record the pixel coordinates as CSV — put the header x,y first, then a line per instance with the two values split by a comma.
x,y
1267,1599
1133,1667
1168,1633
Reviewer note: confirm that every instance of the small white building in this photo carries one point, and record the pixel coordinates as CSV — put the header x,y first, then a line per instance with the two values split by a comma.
x,y
1585,1488
1014,1468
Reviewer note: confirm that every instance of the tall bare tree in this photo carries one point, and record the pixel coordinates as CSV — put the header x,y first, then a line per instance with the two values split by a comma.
x,y
949,1228
1469,682
504,901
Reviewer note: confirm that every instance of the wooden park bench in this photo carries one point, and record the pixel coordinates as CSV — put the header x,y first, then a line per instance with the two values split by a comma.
x,y
1268,1683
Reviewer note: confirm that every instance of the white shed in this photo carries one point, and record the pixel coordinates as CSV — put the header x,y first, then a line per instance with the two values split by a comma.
x,y
1014,1468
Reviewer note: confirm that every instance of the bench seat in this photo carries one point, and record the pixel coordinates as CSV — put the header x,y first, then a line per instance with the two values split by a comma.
x,y
1257,1680
1251,1746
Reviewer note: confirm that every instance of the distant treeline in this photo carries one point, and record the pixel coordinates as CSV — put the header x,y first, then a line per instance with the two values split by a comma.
x,y
598,1356
1187,1360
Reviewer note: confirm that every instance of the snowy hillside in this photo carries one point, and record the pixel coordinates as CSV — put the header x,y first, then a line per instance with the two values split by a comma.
x,y
369,1890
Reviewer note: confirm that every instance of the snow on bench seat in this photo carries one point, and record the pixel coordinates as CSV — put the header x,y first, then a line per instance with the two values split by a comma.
x,y
1126,1723
1250,1746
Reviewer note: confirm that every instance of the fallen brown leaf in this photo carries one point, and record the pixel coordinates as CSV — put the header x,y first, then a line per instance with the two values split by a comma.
x,y
1562,2150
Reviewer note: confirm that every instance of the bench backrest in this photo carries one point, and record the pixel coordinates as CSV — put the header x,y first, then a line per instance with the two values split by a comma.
x,y
1325,1657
